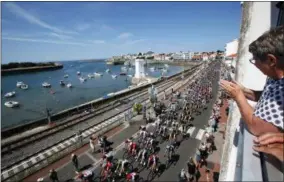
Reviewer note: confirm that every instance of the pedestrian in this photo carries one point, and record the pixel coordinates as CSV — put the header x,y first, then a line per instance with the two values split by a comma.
x,y
75,162
191,168
53,175
92,145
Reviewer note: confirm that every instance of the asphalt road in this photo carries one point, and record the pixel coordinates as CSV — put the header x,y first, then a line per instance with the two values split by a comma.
x,y
187,148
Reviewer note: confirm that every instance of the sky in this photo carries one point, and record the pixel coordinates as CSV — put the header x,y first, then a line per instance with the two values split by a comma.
x,y
58,31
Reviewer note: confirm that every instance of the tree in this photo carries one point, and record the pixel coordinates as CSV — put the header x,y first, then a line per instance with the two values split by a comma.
x,y
137,108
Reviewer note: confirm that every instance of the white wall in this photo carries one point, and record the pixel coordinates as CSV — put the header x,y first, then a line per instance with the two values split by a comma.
x,y
231,47
260,17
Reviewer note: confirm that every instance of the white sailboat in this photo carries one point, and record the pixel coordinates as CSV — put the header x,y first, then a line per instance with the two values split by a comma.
x,y
107,70
82,79
90,76
114,76
66,76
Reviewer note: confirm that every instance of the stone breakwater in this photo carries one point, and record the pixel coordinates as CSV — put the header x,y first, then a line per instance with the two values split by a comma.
x,y
30,69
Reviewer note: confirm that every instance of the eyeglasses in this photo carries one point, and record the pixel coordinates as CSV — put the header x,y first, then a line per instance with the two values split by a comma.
x,y
252,61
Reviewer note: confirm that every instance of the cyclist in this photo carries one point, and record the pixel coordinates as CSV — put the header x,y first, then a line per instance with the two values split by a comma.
x,y
128,143
182,176
143,133
172,135
121,165
144,154
150,140
133,148
106,164
170,150
133,176
152,162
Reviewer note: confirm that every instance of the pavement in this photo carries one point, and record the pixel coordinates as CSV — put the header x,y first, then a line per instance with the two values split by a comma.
x,y
88,160
214,159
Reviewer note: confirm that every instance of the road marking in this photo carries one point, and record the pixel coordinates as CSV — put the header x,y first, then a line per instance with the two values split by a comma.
x,y
191,130
25,165
200,134
92,157
5,174
33,160
41,156
16,169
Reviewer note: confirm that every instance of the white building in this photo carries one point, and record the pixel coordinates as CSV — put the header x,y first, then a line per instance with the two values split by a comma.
x,y
182,55
139,68
239,161
231,50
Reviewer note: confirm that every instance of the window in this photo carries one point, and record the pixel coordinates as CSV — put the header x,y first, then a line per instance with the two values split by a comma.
x,y
280,20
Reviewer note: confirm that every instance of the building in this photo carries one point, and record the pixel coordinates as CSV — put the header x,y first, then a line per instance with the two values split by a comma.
x,y
239,161
231,50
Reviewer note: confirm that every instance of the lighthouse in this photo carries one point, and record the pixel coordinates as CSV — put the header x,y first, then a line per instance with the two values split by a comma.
x,y
139,66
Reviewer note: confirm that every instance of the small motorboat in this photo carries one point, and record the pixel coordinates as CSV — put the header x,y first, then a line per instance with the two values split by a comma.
x,y
107,70
82,79
24,87
114,76
130,76
124,68
166,65
10,94
46,85
90,76
69,85
98,74
19,84
11,104
78,73
62,83
152,69
122,73
66,76
164,70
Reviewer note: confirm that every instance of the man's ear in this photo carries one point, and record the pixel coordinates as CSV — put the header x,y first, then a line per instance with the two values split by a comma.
x,y
272,60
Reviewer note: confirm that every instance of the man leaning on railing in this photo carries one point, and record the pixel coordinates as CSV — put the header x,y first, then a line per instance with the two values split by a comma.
x,y
267,117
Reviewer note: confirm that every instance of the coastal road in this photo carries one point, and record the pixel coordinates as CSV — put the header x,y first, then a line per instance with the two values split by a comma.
x,y
27,150
88,160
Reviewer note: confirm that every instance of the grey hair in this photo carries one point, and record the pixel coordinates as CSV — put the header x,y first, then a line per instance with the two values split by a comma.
x,y
271,42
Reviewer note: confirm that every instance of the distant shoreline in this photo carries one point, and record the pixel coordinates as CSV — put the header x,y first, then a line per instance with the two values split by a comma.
x,y
11,71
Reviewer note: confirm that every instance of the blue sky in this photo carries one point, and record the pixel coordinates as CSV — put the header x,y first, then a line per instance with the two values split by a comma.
x,y
55,31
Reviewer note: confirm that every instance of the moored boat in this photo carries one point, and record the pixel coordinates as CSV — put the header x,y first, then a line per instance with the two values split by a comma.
x,y
24,87
90,76
98,74
19,84
11,104
10,94
62,83
122,73
107,70
78,73
66,76
46,85
69,85
114,76
82,79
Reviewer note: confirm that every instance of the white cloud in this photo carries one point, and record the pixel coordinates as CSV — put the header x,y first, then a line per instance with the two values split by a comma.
x,y
17,10
83,26
60,36
131,42
44,41
125,35
97,41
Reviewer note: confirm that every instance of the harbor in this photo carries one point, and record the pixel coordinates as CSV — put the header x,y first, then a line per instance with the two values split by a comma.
x,y
34,101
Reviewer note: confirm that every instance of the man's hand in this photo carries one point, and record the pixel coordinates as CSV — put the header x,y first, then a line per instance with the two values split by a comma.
x,y
233,89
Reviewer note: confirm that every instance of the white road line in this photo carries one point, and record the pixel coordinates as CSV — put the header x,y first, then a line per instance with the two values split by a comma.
x,y
25,165
92,157
41,156
33,160
200,134
16,169
55,149
5,174
190,130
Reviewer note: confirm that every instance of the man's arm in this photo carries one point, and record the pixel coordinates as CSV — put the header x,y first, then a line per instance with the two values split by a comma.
x,y
256,125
